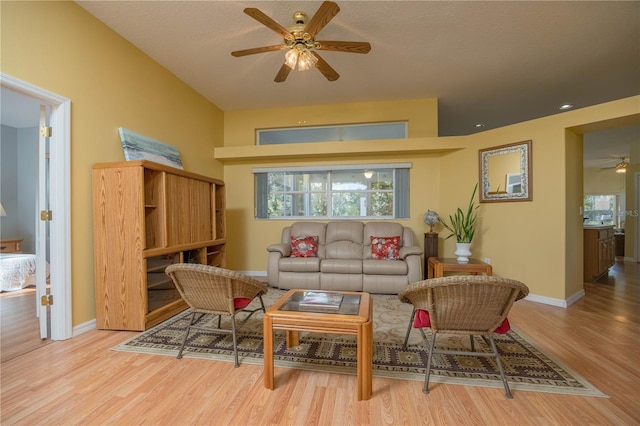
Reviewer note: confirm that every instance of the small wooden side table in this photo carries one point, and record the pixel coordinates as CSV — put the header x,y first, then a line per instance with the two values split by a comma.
x,y
439,265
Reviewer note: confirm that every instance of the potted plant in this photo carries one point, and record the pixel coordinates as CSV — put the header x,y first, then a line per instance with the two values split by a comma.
x,y
462,226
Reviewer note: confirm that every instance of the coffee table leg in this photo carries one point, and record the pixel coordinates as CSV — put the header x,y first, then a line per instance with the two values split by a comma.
x,y
365,360
268,352
293,338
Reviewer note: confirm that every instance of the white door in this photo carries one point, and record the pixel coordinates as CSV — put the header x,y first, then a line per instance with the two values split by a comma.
x,y
42,219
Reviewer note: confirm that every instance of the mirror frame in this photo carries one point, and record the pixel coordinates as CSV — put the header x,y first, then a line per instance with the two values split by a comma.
x,y
524,149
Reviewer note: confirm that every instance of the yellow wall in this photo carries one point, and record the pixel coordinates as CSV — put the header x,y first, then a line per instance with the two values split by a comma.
x,y
603,181
247,249
240,126
60,47
538,242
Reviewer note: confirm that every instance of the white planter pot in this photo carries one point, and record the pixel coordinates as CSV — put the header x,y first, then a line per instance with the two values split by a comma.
x,y
462,252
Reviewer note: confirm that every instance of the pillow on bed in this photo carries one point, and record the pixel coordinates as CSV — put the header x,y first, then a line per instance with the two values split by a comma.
x,y
306,246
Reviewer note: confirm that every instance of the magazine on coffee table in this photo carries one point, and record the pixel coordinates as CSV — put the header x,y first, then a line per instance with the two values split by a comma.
x,y
316,299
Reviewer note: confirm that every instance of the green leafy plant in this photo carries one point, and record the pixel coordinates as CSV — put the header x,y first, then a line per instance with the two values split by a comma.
x,y
462,224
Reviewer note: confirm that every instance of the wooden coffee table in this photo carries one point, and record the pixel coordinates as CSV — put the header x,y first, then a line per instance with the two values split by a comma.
x,y
353,318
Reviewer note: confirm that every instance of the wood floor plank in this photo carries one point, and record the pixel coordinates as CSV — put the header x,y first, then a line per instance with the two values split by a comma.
x,y
81,381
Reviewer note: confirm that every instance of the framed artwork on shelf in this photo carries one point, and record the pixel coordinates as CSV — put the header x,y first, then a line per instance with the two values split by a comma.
x,y
140,147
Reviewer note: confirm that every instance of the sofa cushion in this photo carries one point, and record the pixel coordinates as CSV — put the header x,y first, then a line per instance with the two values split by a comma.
x,y
341,266
304,246
377,267
384,248
344,240
299,264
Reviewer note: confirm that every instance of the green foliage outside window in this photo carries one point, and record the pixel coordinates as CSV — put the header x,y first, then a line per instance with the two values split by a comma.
x,y
343,194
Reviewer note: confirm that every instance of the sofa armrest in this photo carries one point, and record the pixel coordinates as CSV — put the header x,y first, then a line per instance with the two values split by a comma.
x,y
283,249
409,251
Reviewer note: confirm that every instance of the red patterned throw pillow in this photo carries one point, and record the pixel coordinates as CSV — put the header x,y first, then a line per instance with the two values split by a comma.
x,y
384,248
304,246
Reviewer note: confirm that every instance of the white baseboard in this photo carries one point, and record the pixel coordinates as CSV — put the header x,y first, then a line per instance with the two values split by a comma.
x,y
561,303
83,328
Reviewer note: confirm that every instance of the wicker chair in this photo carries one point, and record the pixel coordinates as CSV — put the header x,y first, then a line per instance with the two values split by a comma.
x,y
217,291
463,304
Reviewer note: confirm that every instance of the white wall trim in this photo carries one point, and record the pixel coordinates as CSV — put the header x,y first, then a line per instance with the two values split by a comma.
x,y
60,185
83,328
561,303
372,166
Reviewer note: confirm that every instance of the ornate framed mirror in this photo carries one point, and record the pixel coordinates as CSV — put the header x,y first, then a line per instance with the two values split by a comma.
x,y
505,173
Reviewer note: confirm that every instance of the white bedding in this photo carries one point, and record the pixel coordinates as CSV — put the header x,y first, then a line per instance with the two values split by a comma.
x,y
17,271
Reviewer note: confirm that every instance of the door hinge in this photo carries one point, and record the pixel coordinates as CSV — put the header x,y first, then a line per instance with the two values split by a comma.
x,y
46,300
47,156
46,215
45,131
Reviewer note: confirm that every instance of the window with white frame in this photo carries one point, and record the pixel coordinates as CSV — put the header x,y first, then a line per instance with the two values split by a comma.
x,y
601,209
345,192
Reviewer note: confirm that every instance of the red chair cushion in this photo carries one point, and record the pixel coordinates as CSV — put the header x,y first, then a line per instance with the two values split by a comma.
x,y
422,320
241,302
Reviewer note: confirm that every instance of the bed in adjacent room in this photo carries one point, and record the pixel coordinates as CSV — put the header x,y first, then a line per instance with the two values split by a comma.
x,y
18,271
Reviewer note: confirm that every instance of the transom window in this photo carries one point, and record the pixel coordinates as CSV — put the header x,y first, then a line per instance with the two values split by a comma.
x,y
336,132
338,192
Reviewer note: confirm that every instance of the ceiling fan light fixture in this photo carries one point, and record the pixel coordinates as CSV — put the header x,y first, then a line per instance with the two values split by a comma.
x,y
621,167
291,58
306,60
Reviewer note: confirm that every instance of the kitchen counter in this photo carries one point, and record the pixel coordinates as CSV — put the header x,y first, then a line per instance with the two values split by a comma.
x,y
599,251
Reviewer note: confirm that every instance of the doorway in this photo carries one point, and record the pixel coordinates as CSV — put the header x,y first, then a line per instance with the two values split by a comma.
x,y
59,227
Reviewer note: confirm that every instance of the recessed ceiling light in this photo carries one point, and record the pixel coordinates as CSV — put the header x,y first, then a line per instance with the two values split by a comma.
x,y
479,125
566,106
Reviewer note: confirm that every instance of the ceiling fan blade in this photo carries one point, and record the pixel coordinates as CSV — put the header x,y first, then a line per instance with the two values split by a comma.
x,y
264,49
344,46
259,16
325,68
325,13
282,74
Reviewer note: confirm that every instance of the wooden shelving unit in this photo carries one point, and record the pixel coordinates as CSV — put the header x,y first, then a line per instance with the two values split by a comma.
x,y
147,216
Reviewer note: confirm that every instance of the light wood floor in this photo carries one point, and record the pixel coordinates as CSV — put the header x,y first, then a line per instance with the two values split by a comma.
x,y
19,329
80,381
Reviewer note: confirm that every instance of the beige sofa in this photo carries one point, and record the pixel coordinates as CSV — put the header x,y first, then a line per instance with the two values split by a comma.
x,y
344,259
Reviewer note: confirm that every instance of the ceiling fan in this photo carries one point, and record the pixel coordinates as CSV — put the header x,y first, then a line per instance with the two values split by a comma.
x,y
621,166
300,42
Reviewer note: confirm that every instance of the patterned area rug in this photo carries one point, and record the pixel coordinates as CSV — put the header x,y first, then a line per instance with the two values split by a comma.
x,y
527,368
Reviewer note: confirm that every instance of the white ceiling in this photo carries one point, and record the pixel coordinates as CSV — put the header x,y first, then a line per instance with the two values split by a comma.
x,y
489,62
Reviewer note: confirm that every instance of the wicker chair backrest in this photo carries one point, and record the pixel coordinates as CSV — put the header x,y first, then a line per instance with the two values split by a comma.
x,y
465,304
210,289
